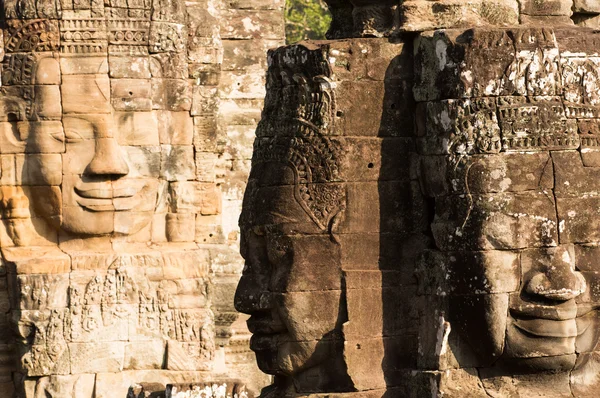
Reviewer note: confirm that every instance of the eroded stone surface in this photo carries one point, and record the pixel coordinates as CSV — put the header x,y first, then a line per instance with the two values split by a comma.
x,y
118,238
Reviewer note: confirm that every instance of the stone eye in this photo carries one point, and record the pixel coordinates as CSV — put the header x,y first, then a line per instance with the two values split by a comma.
x,y
72,137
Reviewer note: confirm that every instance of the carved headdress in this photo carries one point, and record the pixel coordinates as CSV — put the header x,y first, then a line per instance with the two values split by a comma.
x,y
41,29
296,129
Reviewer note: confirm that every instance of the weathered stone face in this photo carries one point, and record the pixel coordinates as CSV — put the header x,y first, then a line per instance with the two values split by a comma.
x,y
326,211
293,199
102,184
511,175
121,181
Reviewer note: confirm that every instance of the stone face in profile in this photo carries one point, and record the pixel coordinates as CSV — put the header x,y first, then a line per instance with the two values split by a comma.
x,y
312,222
294,199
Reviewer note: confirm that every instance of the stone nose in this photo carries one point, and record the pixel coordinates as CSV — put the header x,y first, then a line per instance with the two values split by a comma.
x,y
107,159
252,295
558,280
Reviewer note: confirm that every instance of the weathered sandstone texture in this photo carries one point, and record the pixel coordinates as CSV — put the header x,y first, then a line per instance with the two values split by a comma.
x,y
422,215
125,136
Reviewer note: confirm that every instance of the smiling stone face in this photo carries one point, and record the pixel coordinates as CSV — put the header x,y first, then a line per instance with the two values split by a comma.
x,y
110,207
512,281
102,182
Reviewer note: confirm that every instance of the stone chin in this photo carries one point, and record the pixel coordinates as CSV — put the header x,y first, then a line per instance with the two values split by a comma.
x,y
278,357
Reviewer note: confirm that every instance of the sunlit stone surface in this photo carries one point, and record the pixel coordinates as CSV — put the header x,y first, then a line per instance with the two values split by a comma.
x,y
125,134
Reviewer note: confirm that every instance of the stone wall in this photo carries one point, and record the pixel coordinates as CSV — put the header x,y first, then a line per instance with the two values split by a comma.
x,y
360,18
125,136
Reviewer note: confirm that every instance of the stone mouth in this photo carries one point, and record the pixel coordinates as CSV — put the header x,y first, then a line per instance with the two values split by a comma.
x,y
264,342
260,326
102,198
551,311
540,327
105,192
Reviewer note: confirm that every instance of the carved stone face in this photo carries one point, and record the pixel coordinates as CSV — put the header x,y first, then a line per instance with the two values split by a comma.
x,y
518,260
291,271
102,191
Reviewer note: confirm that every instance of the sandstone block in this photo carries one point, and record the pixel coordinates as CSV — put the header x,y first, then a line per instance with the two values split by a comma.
x,y
36,260
40,137
186,264
586,6
236,84
41,291
85,94
84,65
464,273
553,387
131,94
48,102
503,172
302,303
418,15
129,67
364,359
206,165
180,227
458,127
206,134
175,128
144,355
573,178
194,197
187,356
264,24
546,8
209,230
476,222
577,219
137,128
31,170
169,65
177,162
204,100
96,357
145,160
255,60
442,72
171,94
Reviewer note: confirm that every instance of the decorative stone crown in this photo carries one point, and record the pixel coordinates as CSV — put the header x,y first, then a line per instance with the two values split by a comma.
x,y
296,130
